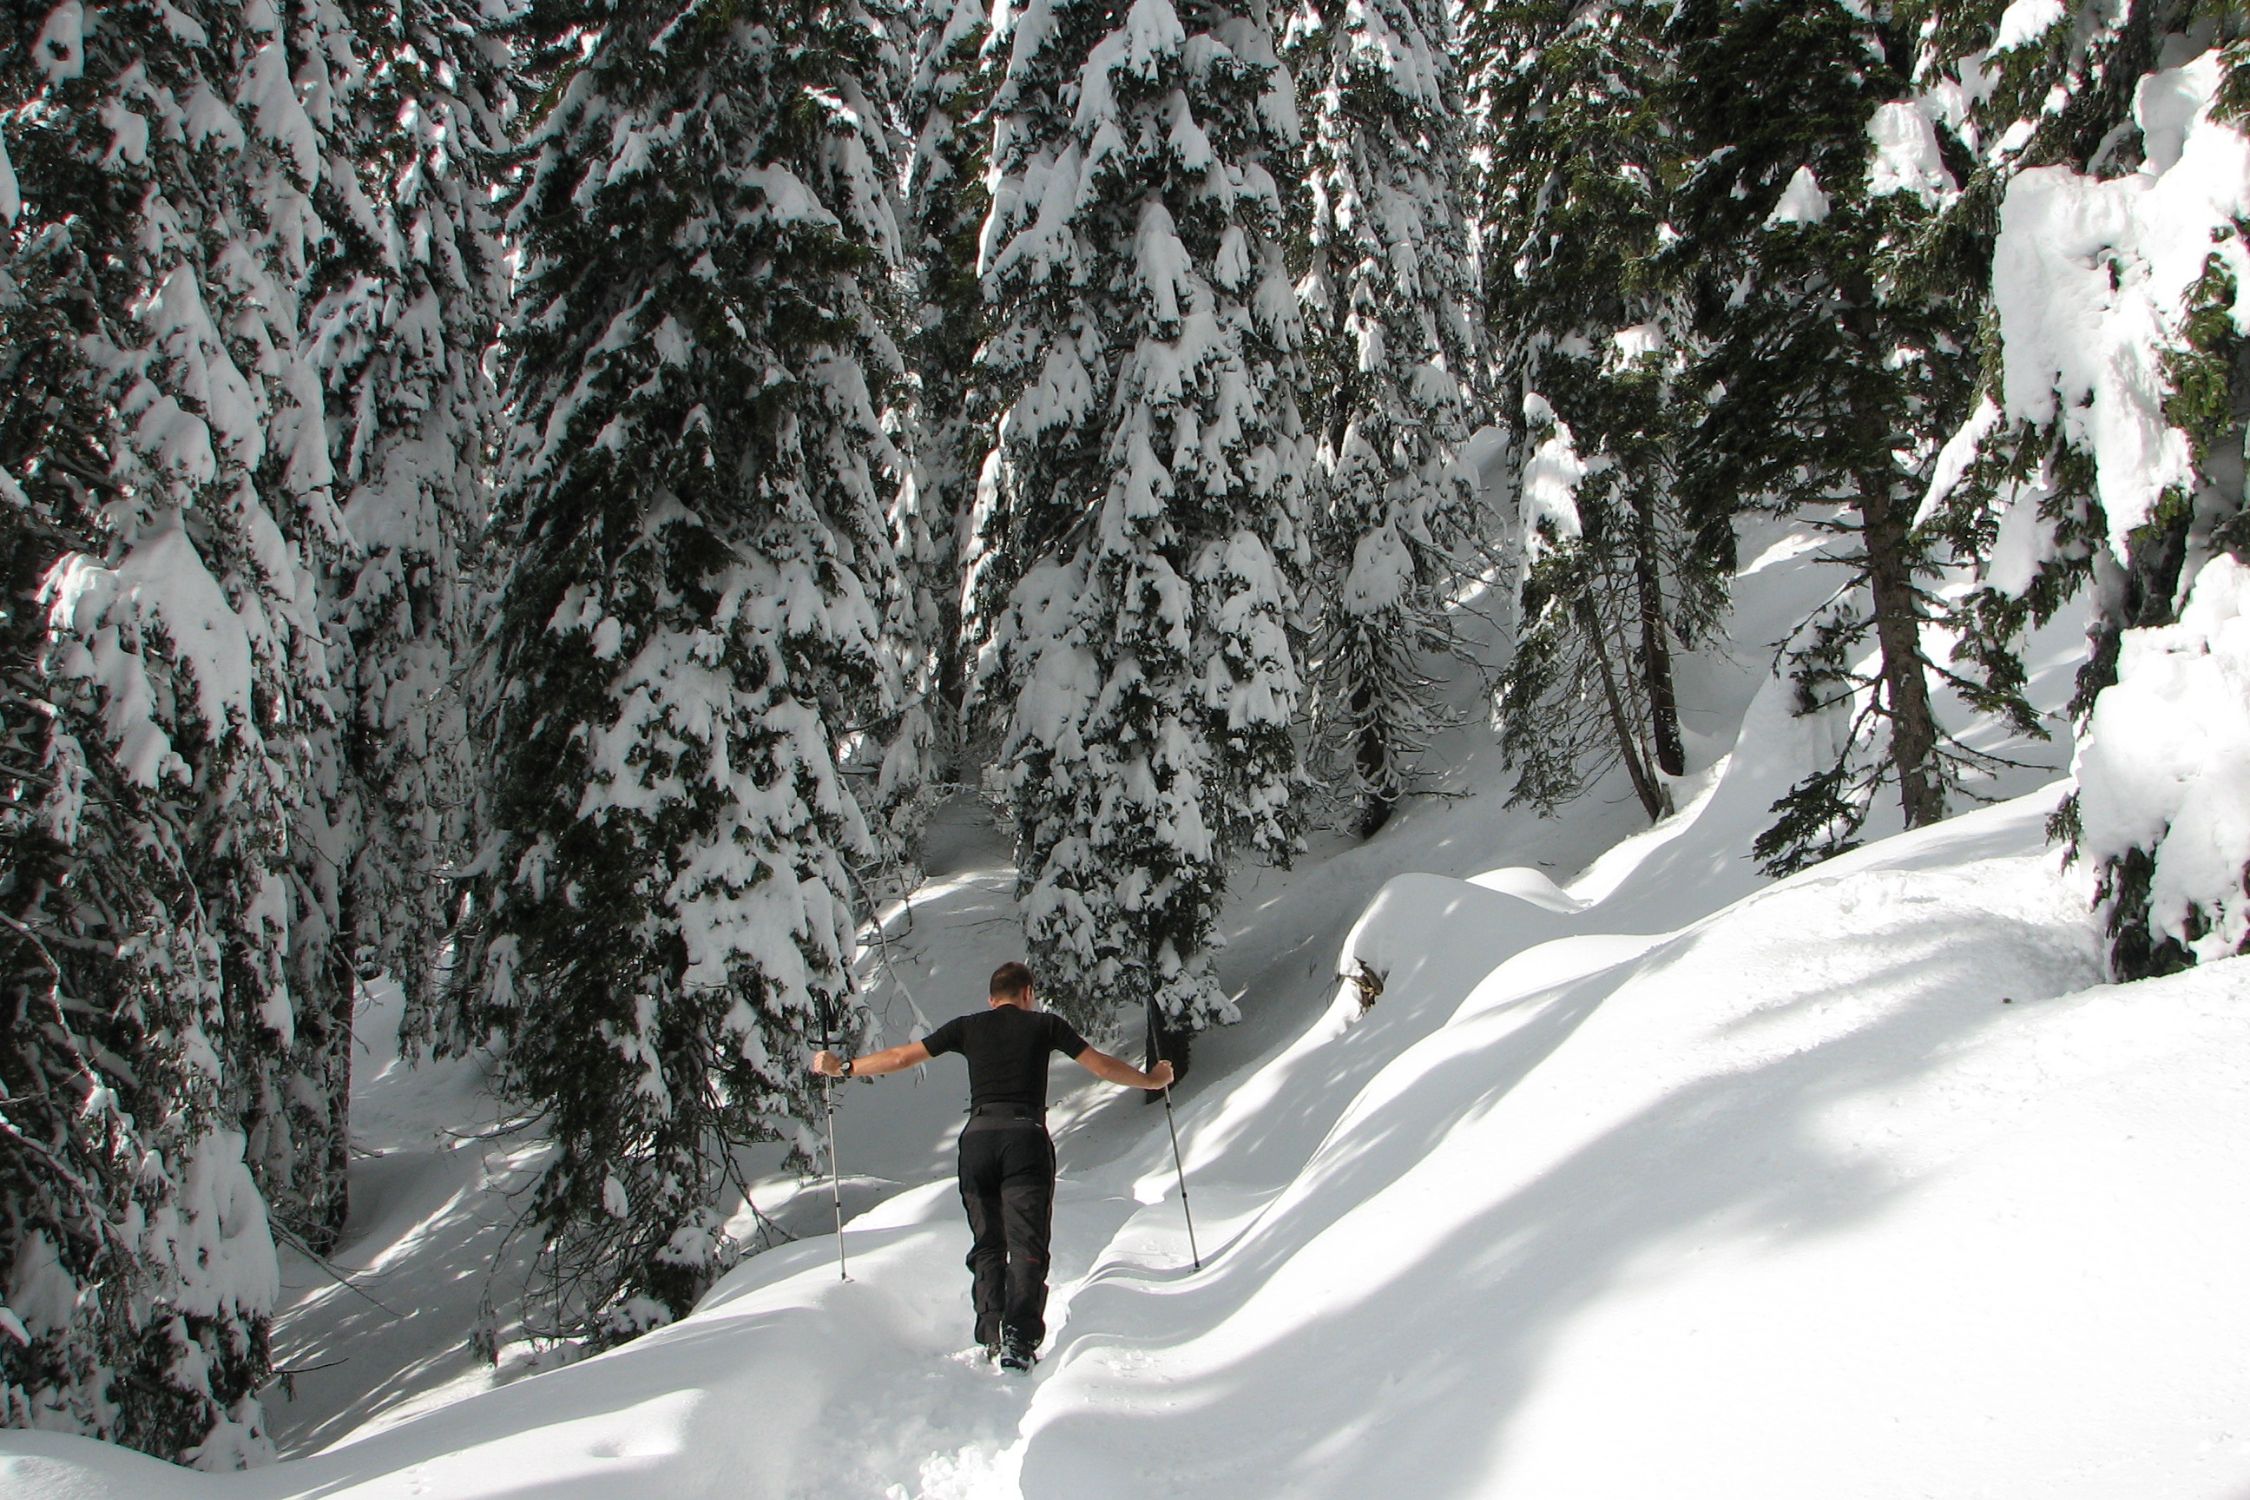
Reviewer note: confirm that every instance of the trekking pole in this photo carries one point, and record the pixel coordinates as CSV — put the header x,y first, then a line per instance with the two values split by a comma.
x,y
835,1184
1155,1046
835,1169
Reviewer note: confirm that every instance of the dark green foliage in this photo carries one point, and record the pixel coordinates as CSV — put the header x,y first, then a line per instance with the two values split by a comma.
x,y
1841,358
106,1016
2202,372
139,868
2138,949
408,300
1589,309
692,626
1135,572
1390,298
948,141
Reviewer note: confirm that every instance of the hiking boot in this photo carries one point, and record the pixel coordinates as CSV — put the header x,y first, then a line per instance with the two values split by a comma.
x,y
1017,1359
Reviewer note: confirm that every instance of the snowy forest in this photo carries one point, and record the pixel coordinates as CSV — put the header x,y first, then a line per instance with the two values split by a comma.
x,y
537,503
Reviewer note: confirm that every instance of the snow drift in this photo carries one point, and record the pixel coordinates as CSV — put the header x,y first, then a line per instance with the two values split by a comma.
x,y
1863,1185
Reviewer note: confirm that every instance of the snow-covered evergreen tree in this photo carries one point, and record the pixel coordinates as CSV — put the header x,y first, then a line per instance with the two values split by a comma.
x,y
409,300
1839,301
136,1264
696,509
1391,313
946,202
2109,447
1594,333
1141,519
1589,684
297,67
174,983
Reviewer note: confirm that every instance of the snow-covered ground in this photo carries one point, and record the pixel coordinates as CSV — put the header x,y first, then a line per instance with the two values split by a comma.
x,y
1643,1176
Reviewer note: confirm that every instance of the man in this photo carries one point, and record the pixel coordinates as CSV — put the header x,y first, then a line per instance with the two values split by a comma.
x,y
1007,1163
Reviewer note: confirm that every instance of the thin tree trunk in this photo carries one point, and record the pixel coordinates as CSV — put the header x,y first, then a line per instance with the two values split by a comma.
x,y
1656,652
1898,630
1373,756
1653,800
333,1205
949,715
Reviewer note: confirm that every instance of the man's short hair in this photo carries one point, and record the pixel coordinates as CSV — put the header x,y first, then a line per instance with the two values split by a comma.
x,y
1010,981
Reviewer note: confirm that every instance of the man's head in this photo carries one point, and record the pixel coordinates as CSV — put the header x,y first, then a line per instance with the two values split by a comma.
x,y
1011,985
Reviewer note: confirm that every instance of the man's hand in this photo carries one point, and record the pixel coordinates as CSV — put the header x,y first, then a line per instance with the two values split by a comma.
x,y
827,1064
1118,1070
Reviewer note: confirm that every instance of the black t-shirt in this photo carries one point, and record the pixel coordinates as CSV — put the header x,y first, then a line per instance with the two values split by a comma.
x,y
1007,1049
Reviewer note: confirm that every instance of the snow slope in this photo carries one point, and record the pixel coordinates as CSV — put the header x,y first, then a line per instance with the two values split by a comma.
x,y
1642,1176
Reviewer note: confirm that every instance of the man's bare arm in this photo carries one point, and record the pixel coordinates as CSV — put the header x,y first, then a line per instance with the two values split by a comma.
x,y
1117,1070
875,1064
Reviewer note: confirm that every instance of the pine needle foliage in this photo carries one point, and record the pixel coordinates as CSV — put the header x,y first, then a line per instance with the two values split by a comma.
x,y
1141,525
407,304
1837,369
2064,114
1389,288
177,1013
690,635
946,201
1594,336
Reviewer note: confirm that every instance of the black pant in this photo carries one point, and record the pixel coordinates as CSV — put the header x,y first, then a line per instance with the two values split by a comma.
x,y
1008,1188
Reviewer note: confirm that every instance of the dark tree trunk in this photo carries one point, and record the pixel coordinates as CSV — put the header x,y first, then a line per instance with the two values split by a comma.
x,y
1653,800
1373,757
1656,651
949,714
1898,630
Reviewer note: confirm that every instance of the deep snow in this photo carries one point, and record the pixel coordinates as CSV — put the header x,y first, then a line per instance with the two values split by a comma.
x,y
1642,1177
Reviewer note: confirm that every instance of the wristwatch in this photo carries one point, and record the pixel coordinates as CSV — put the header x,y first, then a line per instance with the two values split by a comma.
x,y
849,1063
